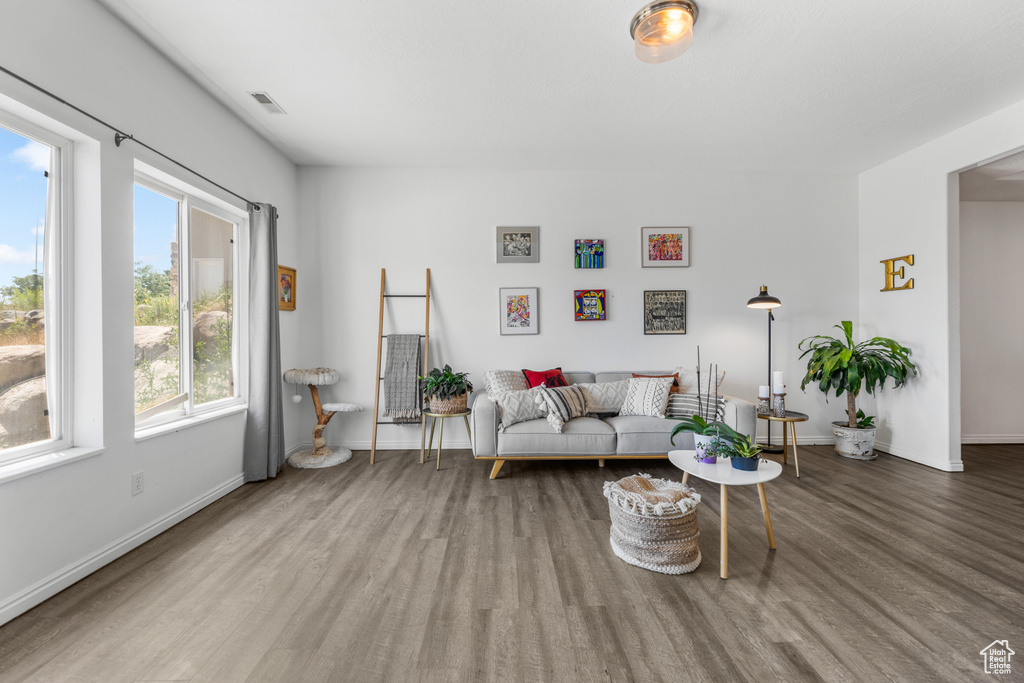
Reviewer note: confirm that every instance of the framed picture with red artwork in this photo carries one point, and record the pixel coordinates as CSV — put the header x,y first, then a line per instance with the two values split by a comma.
x,y
285,288
665,247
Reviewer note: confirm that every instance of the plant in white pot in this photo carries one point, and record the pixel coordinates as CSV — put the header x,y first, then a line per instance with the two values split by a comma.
x,y
844,366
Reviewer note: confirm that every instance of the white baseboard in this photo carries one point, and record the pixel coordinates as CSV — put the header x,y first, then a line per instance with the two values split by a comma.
x,y
382,445
921,458
991,438
58,581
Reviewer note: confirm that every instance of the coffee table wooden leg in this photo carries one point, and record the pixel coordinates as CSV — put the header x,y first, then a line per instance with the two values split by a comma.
x,y
796,458
725,531
440,440
686,477
767,516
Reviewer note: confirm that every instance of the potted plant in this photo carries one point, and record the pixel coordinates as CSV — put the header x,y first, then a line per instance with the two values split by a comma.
x,y
447,390
708,452
705,432
743,454
837,365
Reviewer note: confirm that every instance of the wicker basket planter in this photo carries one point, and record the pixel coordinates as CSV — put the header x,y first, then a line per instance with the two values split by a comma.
x,y
449,406
654,523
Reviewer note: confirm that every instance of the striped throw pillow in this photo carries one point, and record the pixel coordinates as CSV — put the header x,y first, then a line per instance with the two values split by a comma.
x,y
684,405
563,404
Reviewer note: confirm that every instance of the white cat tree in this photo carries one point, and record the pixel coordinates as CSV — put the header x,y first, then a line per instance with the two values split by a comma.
x,y
321,455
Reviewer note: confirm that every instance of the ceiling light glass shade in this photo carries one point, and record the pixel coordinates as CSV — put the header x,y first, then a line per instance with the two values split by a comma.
x,y
663,30
764,300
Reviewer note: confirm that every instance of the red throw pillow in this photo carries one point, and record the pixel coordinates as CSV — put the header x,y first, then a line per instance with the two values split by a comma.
x,y
549,378
675,380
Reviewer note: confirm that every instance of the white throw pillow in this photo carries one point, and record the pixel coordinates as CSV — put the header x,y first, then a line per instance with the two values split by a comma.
x,y
519,406
647,396
688,381
605,397
499,381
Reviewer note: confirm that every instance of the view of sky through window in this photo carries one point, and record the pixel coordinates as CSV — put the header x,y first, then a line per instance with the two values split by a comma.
x,y
23,201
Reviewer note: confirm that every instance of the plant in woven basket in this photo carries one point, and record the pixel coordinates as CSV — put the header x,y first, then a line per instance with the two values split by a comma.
x,y
446,389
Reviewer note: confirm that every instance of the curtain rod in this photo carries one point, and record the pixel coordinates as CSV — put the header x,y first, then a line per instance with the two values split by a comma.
x,y
120,137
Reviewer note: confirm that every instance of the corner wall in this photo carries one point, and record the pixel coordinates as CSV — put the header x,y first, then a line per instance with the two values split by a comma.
x,y
796,233
910,205
60,524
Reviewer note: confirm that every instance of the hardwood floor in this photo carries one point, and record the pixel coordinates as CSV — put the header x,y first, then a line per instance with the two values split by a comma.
x,y
885,570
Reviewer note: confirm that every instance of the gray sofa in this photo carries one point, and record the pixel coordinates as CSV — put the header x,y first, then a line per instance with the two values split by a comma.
x,y
589,438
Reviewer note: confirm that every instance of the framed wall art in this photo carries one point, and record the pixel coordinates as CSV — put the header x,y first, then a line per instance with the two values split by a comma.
x,y
285,288
517,307
589,254
590,304
518,245
665,247
665,311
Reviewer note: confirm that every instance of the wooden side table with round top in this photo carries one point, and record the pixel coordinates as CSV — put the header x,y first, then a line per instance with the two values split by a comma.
x,y
434,417
792,417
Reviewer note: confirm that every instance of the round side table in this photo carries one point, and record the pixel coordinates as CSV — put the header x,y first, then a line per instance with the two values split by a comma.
x,y
434,417
792,417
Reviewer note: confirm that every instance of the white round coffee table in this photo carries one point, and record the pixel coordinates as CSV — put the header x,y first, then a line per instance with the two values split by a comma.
x,y
725,475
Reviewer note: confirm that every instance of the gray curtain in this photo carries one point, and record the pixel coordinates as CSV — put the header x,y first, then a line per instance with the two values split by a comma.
x,y
264,426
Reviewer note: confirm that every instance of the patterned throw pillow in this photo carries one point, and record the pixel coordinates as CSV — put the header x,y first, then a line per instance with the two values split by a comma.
x,y
675,380
563,404
550,378
500,381
605,397
647,396
519,406
683,405
688,381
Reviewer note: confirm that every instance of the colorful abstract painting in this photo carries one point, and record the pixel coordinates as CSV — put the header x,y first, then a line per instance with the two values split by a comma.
x,y
518,310
590,304
665,247
590,253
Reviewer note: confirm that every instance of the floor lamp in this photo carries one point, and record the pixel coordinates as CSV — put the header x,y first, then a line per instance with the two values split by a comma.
x,y
767,302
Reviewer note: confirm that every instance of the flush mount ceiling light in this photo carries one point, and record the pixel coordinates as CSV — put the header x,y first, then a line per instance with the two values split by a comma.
x,y
663,30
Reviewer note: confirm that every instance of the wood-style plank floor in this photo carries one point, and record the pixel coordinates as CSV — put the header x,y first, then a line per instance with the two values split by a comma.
x,y
885,570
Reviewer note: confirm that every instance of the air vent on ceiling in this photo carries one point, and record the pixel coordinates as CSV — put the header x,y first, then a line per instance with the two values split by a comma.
x,y
268,103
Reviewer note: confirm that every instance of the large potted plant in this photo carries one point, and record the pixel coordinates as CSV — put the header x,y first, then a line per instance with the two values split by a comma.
x,y
447,390
844,366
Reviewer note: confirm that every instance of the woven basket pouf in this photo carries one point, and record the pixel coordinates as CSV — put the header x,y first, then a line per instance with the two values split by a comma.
x,y
654,523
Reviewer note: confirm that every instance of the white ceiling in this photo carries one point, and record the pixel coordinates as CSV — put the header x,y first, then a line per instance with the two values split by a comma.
x,y
1001,180
795,85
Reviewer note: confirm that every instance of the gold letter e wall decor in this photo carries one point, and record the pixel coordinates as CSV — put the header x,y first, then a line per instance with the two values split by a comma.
x,y
891,273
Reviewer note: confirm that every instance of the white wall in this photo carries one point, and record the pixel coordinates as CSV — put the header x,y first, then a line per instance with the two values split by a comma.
x,y
910,204
991,327
60,524
795,233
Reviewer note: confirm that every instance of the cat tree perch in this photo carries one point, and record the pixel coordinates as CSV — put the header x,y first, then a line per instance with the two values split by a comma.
x,y
321,455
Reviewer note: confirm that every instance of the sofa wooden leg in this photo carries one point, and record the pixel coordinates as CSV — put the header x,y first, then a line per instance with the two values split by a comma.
x,y
496,468
600,462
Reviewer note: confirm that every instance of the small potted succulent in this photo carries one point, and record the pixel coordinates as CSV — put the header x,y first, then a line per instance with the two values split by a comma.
x,y
837,365
743,454
447,390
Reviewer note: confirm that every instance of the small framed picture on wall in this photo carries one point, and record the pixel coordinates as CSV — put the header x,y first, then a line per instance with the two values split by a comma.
x,y
665,247
517,307
518,245
665,311
285,288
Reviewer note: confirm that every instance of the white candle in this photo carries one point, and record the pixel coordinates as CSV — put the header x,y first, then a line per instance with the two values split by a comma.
x,y
777,378
779,389
762,391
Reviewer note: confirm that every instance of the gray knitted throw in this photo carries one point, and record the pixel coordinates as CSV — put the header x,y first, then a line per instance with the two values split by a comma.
x,y
403,400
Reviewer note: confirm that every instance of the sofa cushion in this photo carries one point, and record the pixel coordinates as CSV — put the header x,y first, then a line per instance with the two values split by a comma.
x,y
549,378
616,376
688,380
683,405
581,436
605,397
647,397
500,381
563,404
641,435
519,406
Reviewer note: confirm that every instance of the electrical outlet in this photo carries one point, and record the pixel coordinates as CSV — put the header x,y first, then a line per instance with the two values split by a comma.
x,y
137,483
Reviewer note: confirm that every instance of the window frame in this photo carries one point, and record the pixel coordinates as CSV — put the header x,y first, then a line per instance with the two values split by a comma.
x,y
189,198
58,292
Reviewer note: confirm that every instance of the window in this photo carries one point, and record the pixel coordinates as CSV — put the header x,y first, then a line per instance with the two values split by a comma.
x,y
186,256
33,399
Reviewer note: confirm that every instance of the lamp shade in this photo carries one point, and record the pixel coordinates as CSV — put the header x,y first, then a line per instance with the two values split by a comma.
x,y
663,30
764,300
